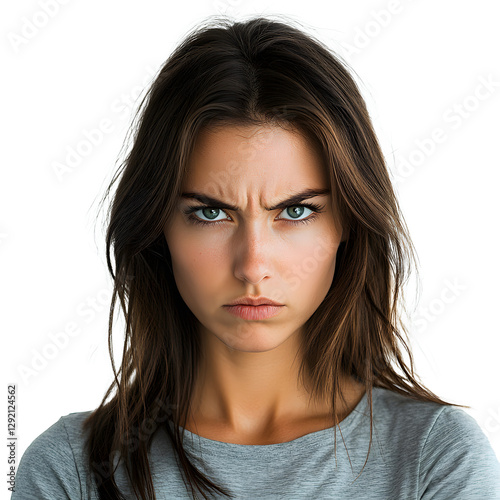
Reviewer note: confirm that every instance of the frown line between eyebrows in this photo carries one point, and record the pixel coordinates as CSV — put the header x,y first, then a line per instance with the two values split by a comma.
x,y
293,200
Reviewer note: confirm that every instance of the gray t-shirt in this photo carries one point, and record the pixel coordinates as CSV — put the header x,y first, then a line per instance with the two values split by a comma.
x,y
419,451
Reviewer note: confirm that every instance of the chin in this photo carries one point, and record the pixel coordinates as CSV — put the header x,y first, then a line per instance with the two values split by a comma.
x,y
252,341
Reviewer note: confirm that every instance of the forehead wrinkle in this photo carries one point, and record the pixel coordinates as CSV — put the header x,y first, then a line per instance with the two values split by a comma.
x,y
255,193
250,200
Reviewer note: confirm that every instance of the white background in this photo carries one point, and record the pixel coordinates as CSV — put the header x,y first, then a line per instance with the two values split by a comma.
x,y
422,66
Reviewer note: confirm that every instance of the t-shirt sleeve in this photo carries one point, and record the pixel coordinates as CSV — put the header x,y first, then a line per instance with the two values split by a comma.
x,y
457,460
47,469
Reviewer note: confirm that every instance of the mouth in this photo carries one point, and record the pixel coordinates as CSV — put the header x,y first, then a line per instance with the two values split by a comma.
x,y
254,313
254,301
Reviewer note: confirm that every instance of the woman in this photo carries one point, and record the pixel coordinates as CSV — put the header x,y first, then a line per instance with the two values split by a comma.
x,y
256,178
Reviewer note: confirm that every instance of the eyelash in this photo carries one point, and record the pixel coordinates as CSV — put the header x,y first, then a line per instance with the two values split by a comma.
x,y
312,206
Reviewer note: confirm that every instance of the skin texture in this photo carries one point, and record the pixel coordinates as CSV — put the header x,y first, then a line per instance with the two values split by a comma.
x,y
248,390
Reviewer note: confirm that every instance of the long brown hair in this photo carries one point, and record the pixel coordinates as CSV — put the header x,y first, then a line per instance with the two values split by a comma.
x,y
257,72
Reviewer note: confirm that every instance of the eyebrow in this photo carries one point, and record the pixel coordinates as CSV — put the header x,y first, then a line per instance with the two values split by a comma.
x,y
293,200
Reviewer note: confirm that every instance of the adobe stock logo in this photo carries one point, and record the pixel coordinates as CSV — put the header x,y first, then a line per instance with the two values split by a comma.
x,y
453,118
32,26
59,339
491,421
90,139
437,306
374,27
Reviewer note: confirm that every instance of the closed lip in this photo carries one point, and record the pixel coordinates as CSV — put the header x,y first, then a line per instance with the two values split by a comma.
x,y
254,301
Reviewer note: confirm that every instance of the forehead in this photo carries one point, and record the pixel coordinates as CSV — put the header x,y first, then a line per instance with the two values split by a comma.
x,y
261,158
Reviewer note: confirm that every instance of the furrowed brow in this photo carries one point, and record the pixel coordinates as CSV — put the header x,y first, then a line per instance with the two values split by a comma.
x,y
293,200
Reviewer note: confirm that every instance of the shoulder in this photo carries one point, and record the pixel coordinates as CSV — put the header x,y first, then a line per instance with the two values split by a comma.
x,y
426,417
457,450
51,466
62,438
454,454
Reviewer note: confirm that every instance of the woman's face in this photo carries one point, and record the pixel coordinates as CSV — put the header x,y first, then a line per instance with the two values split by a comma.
x,y
251,250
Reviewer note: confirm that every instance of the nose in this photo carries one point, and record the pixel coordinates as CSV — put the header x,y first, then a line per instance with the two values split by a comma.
x,y
253,252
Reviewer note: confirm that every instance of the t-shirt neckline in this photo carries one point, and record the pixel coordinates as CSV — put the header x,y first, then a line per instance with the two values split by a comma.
x,y
214,447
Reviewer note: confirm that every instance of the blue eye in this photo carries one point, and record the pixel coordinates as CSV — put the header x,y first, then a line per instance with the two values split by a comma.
x,y
316,209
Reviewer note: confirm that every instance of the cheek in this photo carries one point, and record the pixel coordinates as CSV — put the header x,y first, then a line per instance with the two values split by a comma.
x,y
197,266
309,266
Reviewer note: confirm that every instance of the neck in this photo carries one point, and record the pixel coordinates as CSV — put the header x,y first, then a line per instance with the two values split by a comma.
x,y
251,393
